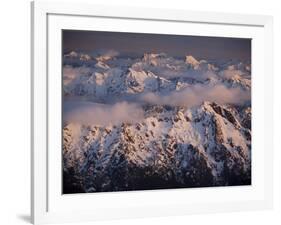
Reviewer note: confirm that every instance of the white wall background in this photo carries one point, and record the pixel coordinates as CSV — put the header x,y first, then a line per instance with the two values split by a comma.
x,y
15,109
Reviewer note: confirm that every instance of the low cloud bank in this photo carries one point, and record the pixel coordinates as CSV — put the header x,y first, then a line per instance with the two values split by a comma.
x,y
195,95
89,113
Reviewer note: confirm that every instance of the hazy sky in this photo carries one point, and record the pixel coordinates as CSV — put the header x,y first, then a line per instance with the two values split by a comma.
x,y
175,45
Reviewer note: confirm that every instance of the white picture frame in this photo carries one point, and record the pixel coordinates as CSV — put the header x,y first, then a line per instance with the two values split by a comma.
x,y
48,205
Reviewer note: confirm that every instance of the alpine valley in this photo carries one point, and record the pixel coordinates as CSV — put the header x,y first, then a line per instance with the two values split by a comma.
x,y
154,121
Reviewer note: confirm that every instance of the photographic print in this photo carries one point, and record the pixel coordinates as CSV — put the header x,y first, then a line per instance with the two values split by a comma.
x,y
154,111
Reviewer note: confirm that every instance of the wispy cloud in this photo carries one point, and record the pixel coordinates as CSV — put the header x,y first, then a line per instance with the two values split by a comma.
x,y
196,94
89,113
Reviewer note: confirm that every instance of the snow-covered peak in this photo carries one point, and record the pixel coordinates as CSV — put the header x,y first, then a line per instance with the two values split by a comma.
x,y
148,56
191,61
102,65
104,58
85,57
152,58
72,54
141,81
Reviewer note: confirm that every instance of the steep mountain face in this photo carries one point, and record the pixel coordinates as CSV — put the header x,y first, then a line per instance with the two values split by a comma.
x,y
171,146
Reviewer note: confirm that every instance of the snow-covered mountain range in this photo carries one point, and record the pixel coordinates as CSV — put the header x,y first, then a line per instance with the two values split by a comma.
x,y
155,122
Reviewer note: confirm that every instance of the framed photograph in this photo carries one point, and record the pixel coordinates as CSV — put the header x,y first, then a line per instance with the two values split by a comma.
x,y
135,114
